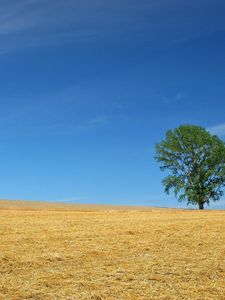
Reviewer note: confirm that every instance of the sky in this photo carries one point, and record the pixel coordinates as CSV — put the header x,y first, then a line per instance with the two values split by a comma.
x,y
87,88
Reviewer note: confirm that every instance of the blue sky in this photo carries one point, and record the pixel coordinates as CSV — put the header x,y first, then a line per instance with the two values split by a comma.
x,y
89,87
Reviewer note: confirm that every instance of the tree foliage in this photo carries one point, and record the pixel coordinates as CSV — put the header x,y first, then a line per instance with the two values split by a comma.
x,y
195,161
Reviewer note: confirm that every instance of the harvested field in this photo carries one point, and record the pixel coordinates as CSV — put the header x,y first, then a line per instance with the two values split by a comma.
x,y
70,252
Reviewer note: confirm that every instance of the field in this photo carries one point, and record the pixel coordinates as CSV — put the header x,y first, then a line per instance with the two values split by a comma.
x,y
55,251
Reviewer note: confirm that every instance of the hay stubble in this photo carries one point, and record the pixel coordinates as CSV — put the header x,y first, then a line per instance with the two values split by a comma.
x,y
110,254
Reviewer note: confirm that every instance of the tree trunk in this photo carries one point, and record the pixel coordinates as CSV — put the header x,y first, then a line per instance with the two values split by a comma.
x,y
201,205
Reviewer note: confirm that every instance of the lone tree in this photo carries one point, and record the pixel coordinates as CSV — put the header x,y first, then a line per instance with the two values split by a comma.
x,y
195,160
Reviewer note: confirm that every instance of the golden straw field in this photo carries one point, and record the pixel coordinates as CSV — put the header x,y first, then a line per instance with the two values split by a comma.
x,y
77,252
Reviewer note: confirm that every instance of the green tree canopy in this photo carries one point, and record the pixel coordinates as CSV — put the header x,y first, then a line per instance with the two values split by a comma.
x,y
195,161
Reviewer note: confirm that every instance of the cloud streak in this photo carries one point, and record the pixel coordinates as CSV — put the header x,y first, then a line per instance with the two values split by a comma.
x,y
180,96
94,122
217,129
28,23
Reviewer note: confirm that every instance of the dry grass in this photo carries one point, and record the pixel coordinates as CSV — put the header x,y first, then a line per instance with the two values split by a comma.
x,y
52,251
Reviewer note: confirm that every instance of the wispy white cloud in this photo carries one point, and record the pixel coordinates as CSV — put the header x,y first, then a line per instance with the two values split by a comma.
x,y
179,96
17,16
62,112
217,129
28,23
94,122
